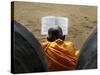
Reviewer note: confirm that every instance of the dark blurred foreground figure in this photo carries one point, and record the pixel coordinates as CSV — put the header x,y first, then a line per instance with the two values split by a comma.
x,y
61,55
27,55
88,54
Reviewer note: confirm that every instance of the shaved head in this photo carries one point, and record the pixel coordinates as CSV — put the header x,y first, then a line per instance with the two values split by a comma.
x,y
55,33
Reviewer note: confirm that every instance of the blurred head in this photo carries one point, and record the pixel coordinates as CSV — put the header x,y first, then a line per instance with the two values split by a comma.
x,y
55,33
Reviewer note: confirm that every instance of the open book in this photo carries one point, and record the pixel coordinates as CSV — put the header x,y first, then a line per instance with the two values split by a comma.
x,y
50,21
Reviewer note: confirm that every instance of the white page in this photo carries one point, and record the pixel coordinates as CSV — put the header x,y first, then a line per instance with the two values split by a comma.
x,y
47,22
63,23
50,21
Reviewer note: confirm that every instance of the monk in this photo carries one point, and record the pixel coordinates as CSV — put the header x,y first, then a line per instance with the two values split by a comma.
x,y
60,55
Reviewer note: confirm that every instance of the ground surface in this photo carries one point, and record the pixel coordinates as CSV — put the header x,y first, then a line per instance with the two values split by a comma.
x,y
82,19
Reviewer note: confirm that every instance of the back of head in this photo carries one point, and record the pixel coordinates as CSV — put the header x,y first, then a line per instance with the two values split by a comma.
x,y
55,33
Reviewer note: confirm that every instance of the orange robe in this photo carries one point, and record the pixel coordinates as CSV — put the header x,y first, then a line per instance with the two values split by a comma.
x,y
60,55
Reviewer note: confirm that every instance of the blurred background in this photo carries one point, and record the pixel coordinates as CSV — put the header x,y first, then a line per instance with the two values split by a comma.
x,y
82,19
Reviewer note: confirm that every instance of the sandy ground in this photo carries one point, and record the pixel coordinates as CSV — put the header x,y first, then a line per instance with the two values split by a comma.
x,y
82,19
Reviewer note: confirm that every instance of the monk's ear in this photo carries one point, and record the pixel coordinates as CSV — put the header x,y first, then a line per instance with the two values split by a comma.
x,y
48,39
63,38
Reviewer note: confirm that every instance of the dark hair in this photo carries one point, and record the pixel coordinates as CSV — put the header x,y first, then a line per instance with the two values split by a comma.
x,y
55,33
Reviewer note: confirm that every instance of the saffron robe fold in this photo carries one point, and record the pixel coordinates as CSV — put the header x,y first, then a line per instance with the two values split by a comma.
x,y
60,55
